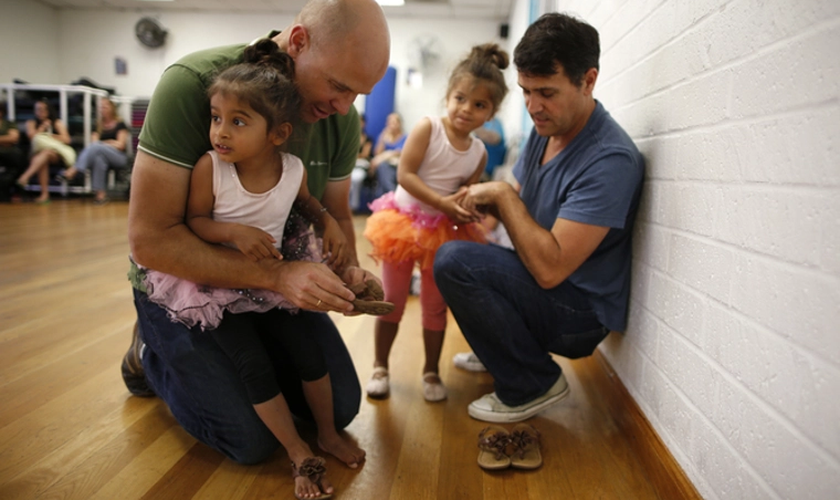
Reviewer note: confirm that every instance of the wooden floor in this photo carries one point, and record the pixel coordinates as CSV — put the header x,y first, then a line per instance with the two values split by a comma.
x,y
70,430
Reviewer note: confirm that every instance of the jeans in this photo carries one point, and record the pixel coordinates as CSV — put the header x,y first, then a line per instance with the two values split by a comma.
x,y
357,179
511,323
188,370
99,157
386,178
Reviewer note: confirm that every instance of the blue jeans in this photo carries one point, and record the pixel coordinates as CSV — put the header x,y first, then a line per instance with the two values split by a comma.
x,y
98,158
511,323
188,370
386,178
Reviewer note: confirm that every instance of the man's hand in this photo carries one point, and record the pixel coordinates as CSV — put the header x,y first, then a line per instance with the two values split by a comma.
x,y
310,285
479,197
353,275
452,207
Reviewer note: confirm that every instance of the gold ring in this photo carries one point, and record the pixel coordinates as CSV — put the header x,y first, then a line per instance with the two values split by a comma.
x,y
319,303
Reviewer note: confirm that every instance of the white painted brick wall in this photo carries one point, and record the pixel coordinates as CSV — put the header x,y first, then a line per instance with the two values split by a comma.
x,y
733,345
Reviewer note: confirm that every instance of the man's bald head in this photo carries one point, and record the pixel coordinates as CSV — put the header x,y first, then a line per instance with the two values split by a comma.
x,y
341,49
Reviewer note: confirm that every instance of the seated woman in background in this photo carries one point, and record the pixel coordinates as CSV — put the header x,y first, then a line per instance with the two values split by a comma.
x,y
50,145
361,170
386,154
108,148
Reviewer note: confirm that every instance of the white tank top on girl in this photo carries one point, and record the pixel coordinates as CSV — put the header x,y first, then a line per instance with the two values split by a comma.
x,y
444,169
267,211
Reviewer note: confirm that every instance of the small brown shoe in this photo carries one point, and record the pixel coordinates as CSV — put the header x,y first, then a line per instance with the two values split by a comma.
x,y
132,368
525,441
492,445
369,297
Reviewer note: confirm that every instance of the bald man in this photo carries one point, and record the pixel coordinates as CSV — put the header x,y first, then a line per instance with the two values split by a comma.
x,y
341,49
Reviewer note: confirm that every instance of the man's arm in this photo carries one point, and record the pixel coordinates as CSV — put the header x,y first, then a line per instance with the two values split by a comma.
x,y
10,138
159,239
550,256
336,200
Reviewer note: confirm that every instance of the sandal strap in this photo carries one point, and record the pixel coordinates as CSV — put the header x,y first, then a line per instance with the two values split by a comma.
x,y
494,443
521,439
312,468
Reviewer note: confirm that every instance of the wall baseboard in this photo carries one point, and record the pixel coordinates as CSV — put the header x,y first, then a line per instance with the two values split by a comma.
x,y
665,474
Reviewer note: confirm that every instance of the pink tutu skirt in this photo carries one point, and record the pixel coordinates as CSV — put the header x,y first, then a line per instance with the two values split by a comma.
x,y
398,234
192,304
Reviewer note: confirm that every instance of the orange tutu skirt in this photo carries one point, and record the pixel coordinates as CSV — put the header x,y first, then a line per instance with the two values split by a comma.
x,y
399,234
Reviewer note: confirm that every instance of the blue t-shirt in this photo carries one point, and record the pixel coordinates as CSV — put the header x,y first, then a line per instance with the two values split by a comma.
x,y
596,179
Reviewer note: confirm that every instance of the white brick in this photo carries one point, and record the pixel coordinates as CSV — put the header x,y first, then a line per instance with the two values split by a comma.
x,y
804,307
702,265
680,309
643,330
802,72
700,208
794,383
666,21
778,222
791,466
719,466
650,247
686,369
830,244
804,153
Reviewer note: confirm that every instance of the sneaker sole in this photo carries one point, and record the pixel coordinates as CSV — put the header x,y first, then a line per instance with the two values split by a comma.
x,y
509,417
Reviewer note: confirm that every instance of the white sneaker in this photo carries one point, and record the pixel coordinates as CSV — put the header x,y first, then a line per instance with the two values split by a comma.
x,y
490,408
433,388
378,386
468,361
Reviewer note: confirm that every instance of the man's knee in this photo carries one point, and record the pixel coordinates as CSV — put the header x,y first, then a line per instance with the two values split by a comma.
x,y
447,262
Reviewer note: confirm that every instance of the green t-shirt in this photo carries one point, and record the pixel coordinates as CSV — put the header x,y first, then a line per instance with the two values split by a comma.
x,y
177,125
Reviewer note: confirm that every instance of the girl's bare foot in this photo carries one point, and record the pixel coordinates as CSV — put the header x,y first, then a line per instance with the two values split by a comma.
x,y
309,479
341,449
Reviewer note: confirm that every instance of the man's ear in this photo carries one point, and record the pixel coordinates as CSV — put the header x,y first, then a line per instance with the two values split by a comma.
x,y
589,79
298,40
281,133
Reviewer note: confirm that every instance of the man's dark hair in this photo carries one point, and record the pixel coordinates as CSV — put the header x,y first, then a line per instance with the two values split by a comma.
x,y
558,39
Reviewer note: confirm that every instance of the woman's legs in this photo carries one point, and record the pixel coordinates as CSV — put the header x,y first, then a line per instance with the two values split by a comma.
x,y
40,164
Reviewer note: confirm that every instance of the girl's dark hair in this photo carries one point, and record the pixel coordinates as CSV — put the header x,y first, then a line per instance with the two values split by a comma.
x,y
51,116
558,39
265,80
485,63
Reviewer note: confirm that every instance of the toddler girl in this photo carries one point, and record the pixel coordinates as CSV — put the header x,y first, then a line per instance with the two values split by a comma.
x,y
241,195
440,158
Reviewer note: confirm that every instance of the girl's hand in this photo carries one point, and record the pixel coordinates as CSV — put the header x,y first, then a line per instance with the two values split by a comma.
x,y
451,206
255,243
335,246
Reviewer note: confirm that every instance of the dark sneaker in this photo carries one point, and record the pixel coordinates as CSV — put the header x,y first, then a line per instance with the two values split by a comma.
x,y
132,367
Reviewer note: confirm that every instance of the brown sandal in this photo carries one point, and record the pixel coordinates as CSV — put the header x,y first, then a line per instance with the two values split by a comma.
x,y
369,297
312,468
492,442
525,440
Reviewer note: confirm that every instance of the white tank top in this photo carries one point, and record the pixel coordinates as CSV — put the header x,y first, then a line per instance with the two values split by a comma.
x,y
267,211
444,169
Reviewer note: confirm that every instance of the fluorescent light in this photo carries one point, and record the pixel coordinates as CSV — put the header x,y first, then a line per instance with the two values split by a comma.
x,y
391,3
